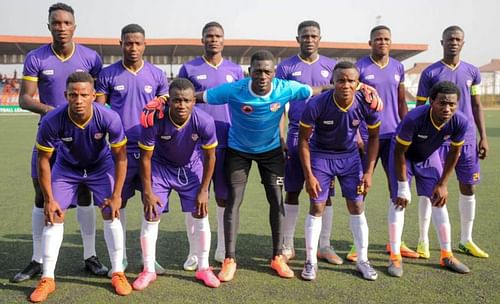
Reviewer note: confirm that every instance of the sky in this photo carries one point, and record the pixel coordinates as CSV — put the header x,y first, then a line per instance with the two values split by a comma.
x,y
419,21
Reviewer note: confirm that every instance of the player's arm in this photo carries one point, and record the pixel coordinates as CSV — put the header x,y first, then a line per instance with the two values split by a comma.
x,y
372,153
283,133
27,100
52,210
119,152
312,185
402,105
440,193
208,171
477,111
149,199
319,89
404,194
101,98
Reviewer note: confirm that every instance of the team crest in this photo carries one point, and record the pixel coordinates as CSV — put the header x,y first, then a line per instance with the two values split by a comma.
x,y
98,136
247,109
48,72
194,137
355,123
229,78
397,77
275,106
148,89
119,87
469,82
324,73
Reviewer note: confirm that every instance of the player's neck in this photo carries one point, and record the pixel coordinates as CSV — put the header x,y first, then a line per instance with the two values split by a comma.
x,y
80,119
341,102
452,61
214,59
309,57
380,60
133,66
63,50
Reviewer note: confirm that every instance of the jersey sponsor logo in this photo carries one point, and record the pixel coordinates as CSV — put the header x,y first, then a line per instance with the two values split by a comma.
x,y
355,123
275,106
422,136
67,139
328,122
48,72
469,82
201,77
166,137
98,136
229,78
324,73
370,76
397,77
297,73
194,137
247,109
119,87
148,89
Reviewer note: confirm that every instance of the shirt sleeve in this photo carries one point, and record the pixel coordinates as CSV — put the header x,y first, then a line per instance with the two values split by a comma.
x,y
239,74
46,136
102,85
424,87
219,94
116,132
208,134
31,68
298,91
280,72
373,119
405,134
401,74
310,114
147,139
183,73
162,88
458,136
475,87
96,66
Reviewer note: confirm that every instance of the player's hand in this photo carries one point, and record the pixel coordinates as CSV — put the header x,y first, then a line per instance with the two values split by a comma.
x,y
361,147
313,187
49,209
403,195
202,203
154,108
150,202
114,203
365,184
439,196
483,148
371,97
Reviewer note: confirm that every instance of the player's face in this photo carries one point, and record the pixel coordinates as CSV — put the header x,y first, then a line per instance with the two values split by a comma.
x,y
181,103
452,43
308,39
444,106
380,43
213,40
133,46
345,82
80,96
61,26
262,74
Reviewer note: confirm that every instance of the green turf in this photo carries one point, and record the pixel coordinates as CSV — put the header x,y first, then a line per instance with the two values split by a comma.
x,y
422,282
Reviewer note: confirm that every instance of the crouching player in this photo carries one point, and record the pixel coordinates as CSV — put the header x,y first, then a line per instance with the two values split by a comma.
x,y
171,159
418,137
83,158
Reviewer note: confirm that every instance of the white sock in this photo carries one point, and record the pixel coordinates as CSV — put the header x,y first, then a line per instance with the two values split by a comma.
x,y
289,223
149,235
442,225
326,227
221,246
202,238
86,217
312,231
189,231
51,243
424,218
359,228
37,225
396,221
113,235
467,207
123,219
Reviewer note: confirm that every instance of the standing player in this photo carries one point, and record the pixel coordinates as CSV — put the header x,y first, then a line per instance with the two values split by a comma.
x,y
414,151
47,69
333,119
467,78
308,67
171,160
386,75
208,71
79,130
127,86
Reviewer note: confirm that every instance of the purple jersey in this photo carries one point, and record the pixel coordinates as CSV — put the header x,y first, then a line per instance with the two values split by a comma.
x,y
175,145
465,76
204,76
81,146
315,73
424,136
335,128
386,79
128,92
44,66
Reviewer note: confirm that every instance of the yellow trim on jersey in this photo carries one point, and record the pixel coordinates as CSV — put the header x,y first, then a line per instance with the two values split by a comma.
x,y
307,62
421,98
377,64
453,68
132,71
457,144
164,97
474,90
119,144
99,94
304,125
403,142
30,78
44,148
374,126
211,146
144,147
213,66
176,125
433,123
340,108
59,56
82,126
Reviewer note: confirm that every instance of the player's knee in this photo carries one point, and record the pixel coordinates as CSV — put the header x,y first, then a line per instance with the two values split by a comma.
x,y
316,209
467,189
198,216
220,202
355,207
292,198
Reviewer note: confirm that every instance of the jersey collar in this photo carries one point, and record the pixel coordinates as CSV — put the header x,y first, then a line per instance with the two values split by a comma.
x,y
211,65
63,59
82,126
131,71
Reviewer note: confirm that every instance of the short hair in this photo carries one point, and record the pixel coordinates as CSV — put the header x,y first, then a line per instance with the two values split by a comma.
x,y
444,87
261,55
452,28
181,84
344,65
132,28
379,28
80,77
211,24
308,23
61,7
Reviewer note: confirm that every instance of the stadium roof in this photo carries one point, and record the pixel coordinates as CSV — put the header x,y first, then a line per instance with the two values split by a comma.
x,y
177,50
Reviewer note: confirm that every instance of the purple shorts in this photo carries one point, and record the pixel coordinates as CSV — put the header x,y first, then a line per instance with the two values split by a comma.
x,y
186,180
66,180
132,179
467,168
383,153
348,170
